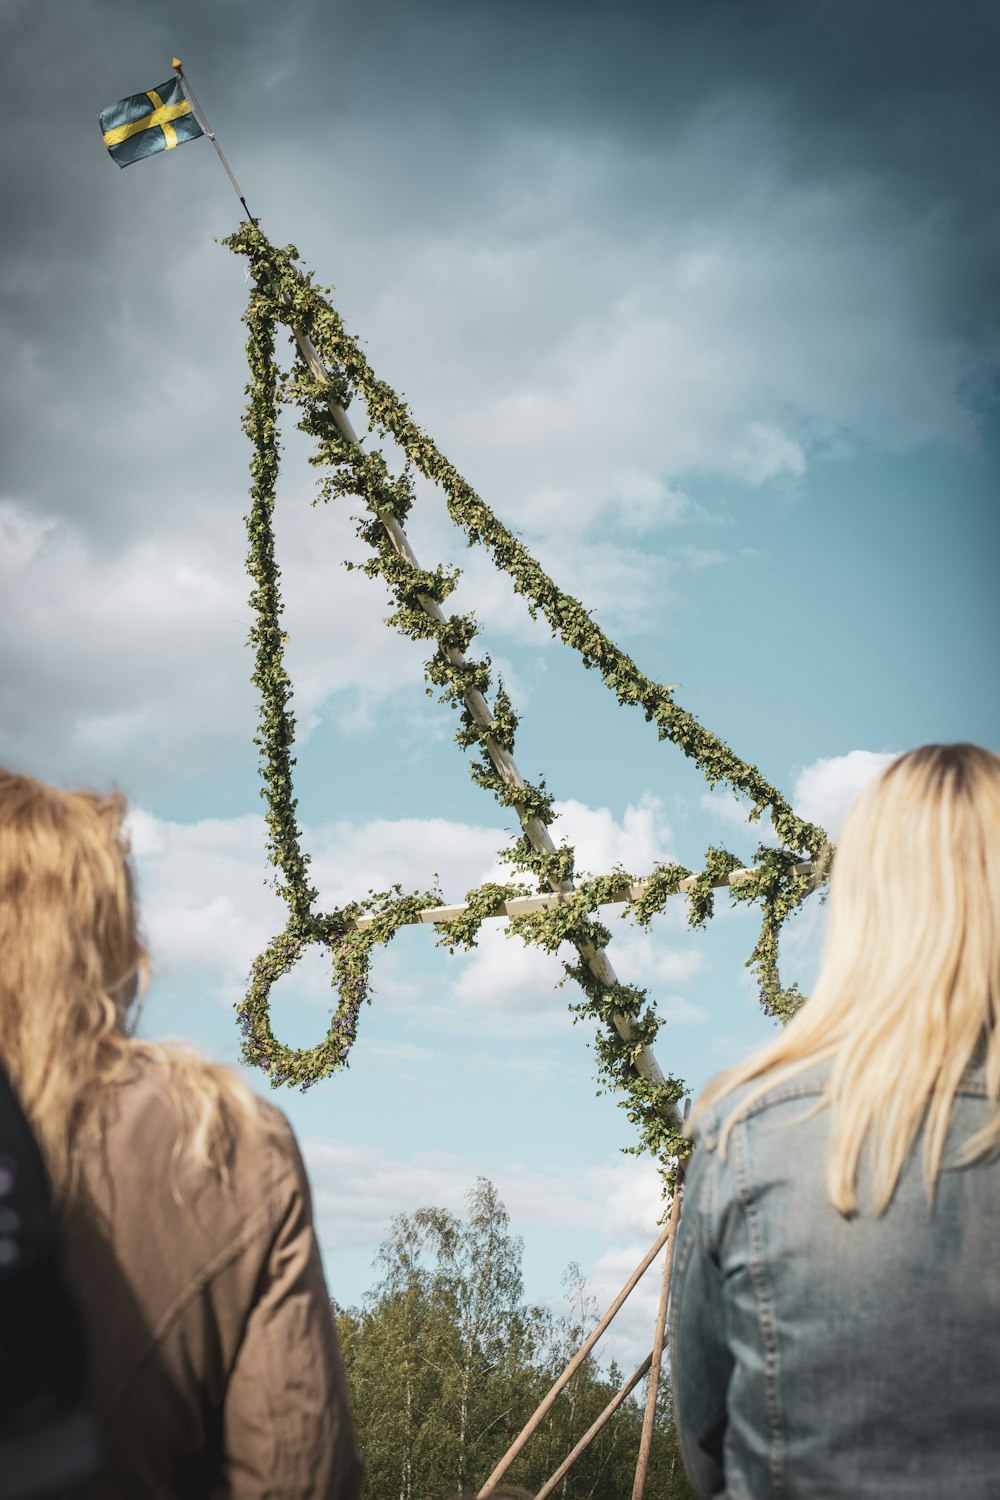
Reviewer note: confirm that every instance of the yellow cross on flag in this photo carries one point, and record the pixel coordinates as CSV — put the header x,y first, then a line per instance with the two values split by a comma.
x,y
146,123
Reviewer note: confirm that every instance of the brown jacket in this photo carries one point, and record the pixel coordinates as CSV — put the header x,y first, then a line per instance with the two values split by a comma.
x,y
216,1370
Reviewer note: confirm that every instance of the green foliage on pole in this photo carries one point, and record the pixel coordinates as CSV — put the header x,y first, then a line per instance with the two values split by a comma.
x,y
284,294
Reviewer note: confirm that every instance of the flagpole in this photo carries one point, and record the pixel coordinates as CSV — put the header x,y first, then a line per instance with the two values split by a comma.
x,y
196,110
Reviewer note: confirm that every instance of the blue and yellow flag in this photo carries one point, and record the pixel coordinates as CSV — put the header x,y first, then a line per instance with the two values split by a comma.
x,y
146,123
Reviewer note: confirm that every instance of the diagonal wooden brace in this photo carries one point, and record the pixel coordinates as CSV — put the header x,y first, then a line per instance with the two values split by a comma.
x,y
535,830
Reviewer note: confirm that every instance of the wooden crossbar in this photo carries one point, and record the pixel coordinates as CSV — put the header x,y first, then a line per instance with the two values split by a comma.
x,y
520,906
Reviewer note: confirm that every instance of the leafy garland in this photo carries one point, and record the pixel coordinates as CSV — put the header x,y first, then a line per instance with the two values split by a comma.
x,y
284,294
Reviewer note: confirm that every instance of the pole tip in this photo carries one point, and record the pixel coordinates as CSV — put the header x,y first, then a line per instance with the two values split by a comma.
x,y
176,63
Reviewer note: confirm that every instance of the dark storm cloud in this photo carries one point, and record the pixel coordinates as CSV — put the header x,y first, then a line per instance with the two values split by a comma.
x,y
386,123
903,90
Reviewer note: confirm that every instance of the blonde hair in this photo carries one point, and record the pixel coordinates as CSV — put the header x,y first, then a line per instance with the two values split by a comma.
x,y
72,964
909,988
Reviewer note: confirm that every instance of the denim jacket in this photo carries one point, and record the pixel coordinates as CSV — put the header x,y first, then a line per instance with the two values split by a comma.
x,y
816,1357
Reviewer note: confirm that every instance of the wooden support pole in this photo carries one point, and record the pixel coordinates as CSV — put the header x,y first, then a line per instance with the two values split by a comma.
x,y
535,830
594,1429
533,1423
659,1339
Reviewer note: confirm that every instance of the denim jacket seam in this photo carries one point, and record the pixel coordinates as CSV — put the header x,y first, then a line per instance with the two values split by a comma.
x,y
709,1129
781,1096
688,1454
678,1276
793,1090
706,1208
673,1325
765,1310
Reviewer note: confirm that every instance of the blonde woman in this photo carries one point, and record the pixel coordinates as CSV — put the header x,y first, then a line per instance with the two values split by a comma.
x,y
835,1320
185,1212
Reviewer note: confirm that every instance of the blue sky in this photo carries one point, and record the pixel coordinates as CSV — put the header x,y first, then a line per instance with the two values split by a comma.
x,y
703,300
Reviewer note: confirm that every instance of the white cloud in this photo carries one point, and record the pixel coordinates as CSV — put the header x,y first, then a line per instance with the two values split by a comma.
x,y
727,808
618,1202
206,907
743,337
825,791
129,660
504,977
642,838
630,1337
404,1054
204,903
621,584
132,660
22,537
505,980
349,859
764,452
653,963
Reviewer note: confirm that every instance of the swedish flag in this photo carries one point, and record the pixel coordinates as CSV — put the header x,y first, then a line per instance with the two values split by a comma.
x,y
146,123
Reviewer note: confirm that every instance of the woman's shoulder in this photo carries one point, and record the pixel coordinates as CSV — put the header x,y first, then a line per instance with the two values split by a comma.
x,y
170,1109
756,1097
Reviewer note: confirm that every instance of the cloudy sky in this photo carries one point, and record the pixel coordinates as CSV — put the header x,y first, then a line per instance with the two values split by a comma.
x,y
703,299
